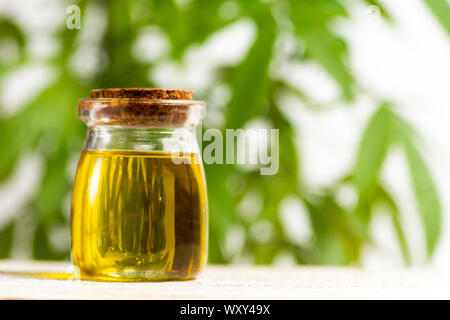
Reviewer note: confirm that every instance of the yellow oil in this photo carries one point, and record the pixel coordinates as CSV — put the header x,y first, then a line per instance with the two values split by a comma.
x,y
139,216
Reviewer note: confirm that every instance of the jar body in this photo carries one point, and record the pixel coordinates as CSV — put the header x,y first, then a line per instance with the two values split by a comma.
x,y
139,205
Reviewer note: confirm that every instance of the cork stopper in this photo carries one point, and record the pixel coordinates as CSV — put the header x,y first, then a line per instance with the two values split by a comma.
x,y
149,107
143,93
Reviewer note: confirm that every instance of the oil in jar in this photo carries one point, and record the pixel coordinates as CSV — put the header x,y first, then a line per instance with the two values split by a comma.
x,y
139,216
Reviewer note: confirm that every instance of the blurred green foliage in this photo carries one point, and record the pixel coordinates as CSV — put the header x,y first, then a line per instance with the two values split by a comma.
x,y
48,125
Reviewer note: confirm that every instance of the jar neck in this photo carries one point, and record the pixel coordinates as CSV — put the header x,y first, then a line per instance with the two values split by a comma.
x,y
141,139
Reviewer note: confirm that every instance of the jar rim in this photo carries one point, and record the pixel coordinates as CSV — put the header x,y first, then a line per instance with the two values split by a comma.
x,y
143,93
165,101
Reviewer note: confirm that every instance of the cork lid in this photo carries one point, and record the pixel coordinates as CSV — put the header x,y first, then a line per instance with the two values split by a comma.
x,y
143,93
150,107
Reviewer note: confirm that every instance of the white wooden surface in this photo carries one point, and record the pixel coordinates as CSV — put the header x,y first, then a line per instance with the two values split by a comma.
x,y
235,282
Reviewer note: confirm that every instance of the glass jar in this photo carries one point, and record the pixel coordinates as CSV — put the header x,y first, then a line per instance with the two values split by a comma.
x,y
139,205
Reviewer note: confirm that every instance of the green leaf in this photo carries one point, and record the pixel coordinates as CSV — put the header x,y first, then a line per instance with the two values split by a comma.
x,y
251,77
329,51
117,42
288,153
42,248
373,149
10,29
6,240
441,9
311,20
383,10
401,237
190,23
221,207
426,194
8,141
395,215
11,33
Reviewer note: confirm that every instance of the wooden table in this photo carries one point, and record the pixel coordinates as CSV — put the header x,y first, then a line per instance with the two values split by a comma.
x,y
233,282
